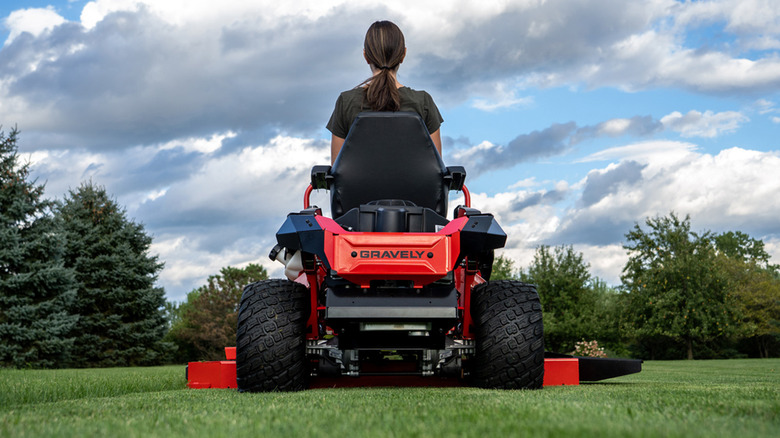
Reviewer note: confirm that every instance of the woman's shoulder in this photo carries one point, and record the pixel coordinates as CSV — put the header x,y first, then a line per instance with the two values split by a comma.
x,y
351,98
352,94
412,92
419,97
416,97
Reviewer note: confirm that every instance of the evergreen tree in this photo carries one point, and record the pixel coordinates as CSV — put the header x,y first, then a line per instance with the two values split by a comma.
x,y
207,320
676,291
503,269
36,290
122,321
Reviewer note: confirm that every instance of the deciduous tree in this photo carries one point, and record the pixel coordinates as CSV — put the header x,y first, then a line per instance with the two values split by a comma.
x,y
755,284
675,290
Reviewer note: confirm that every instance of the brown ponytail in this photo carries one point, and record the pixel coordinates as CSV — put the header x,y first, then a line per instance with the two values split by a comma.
x,y
385,49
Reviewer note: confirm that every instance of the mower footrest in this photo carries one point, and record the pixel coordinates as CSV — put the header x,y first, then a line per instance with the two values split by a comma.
x,y
216,374
560,372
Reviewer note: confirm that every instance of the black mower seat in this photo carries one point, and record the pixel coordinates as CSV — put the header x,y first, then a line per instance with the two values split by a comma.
x,y
388,155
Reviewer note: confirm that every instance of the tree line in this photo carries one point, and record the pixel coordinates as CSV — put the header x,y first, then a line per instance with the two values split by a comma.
x,y
683,295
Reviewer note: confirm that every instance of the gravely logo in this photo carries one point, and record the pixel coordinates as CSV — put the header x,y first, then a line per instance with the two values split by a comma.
x,y
401,254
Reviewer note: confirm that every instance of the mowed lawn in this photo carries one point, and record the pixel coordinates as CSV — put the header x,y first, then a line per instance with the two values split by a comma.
x,y
739,398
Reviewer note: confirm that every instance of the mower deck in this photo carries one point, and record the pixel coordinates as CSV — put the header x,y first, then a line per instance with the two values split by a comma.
x,y
561,370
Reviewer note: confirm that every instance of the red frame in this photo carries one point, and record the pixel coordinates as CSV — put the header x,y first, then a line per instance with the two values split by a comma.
x,y
420,257
307,196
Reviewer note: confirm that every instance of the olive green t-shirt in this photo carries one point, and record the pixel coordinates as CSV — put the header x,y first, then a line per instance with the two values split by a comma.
x,y
352,102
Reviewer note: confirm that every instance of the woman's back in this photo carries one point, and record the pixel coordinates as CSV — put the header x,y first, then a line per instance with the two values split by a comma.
x,y
384,50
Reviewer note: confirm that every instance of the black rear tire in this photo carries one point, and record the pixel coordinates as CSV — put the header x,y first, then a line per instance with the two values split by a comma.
x,y
271,337
509,335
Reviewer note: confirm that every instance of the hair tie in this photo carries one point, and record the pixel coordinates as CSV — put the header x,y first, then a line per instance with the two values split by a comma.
x,y
384,67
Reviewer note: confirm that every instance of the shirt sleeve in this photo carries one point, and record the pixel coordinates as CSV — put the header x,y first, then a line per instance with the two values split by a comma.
x,y
336,123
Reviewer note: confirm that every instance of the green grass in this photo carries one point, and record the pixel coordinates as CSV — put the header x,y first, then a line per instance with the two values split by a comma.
x,y
704,398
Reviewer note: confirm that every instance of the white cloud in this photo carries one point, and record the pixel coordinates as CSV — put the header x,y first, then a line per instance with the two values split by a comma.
x,y
733,189
34,21
471,153
772,246
747,16
188,267
655,151
741,16
615,127
775,119
505,102
198,144
184,12
606,261
501,96
764,106
524,183
707,124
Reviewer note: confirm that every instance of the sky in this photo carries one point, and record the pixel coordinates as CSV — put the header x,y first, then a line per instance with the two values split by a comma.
x,y
575,119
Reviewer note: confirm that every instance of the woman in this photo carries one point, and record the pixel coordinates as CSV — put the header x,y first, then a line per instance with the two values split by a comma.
x,y
384,49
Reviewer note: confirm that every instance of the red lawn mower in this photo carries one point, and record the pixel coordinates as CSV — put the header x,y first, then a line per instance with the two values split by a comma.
x,y
388,286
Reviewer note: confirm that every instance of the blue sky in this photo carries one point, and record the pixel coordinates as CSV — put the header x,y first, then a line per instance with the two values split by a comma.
x,y
574,119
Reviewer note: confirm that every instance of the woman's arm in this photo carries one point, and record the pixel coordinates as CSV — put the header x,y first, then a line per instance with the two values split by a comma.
x,y
436,137
335,146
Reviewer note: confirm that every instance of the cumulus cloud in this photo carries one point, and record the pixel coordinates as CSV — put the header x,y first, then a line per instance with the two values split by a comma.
x,y
34,21
601,183
743,17
730,190
722,191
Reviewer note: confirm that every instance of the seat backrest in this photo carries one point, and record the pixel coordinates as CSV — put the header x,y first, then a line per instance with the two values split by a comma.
x,y
388,155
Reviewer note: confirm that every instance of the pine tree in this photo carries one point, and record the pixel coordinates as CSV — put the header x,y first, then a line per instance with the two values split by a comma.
x,y
122,321
36,290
